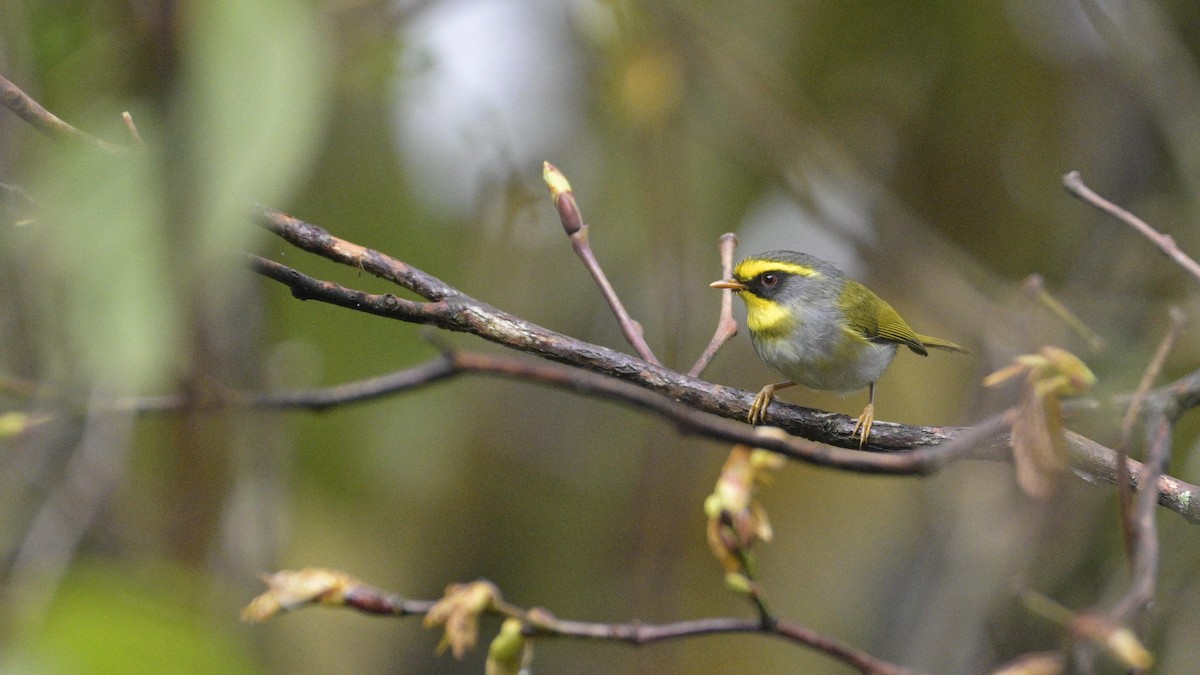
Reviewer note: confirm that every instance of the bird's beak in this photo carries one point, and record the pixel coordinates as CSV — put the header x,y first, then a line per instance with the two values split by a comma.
x,y
731,284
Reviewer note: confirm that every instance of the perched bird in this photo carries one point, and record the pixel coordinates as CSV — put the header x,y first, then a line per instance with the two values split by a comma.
x,y
820,328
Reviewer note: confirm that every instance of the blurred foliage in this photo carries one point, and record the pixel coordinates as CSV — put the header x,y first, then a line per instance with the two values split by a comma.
x,y
919,146
110,618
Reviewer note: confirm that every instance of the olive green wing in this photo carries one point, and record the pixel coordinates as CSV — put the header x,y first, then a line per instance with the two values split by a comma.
x,y
872,318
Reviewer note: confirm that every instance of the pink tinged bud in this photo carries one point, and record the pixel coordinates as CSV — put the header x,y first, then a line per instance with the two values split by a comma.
x,y
564,198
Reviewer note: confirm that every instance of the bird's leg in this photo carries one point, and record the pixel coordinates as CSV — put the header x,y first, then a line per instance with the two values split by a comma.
x,y
758,409
866,419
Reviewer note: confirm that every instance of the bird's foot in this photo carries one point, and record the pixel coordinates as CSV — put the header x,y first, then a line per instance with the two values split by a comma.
x,y
864,423
758,409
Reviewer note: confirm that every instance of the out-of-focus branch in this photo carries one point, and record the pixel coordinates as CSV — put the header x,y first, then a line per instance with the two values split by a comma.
x,y
43,120
1115,638
1163,409
316,400
1035,287
1124,491
460,609
1165,243
134,134
96,469
726,325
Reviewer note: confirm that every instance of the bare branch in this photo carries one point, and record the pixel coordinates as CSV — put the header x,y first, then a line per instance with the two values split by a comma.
x,y
43,120
1164,242
455,311
459,312
1099,462
577,230
309,237
1124,491
1163,409
290,590
726,325
894,448
639,633
316,400
1035,287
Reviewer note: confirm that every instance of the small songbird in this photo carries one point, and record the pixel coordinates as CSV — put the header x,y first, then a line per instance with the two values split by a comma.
x,y
820,329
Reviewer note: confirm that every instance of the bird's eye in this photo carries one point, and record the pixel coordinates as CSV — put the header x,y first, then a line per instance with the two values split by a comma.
x,y
770,279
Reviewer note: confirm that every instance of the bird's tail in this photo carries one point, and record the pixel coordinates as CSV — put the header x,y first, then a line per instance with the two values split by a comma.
x,y
938,343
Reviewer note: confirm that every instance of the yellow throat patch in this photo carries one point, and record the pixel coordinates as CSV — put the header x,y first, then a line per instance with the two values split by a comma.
x,y
767,318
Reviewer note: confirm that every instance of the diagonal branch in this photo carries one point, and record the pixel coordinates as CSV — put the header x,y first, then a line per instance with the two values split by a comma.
x,y
453,310
1035,287
1165,243
43,120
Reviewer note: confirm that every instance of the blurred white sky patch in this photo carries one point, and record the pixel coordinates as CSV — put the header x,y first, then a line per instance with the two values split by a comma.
x,y
486,88
777,220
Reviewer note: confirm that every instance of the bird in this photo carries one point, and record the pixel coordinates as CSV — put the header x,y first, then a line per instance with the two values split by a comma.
x,y
820,329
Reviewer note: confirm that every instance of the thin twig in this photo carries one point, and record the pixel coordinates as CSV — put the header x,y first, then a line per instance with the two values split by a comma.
x,y
542,624
43,120
1035,287
133,130
316,400
1124,490
577,231
726,325
1164,242
1138,399
639,633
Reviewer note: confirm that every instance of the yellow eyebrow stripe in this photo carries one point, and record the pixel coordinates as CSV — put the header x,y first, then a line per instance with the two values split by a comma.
x,y
748,269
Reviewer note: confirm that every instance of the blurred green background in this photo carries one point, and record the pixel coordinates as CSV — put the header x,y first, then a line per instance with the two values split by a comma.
x,y
920,146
